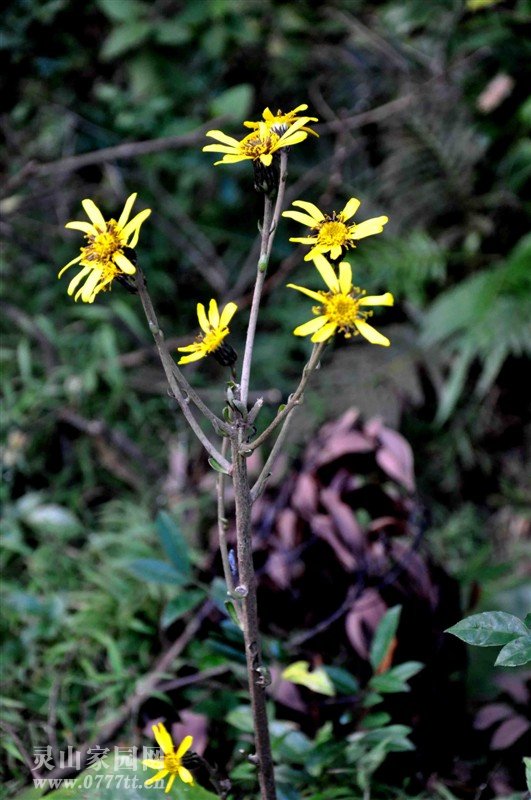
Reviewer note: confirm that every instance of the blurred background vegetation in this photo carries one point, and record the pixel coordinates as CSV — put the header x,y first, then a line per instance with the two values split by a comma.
x,y
425,116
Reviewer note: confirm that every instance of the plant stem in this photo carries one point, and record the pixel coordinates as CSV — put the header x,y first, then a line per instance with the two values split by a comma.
x,y
293,400
168,366
269,227
222,525
262,479
256,674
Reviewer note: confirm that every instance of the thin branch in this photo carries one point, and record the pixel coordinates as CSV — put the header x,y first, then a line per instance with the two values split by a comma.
x,y
265,474
169,367
222,525
269,226
216,422
121,151
293,400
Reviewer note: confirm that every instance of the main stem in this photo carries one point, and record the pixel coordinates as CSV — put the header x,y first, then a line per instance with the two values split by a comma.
x,y
256,674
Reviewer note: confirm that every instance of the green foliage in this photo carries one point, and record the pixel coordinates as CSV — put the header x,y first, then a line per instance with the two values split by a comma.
x,y
485,317
494,628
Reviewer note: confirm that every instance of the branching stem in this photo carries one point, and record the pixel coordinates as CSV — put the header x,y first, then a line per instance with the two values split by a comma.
x,y
169,367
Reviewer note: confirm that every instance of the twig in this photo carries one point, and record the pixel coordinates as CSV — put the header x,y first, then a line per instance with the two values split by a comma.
x,y
216,422
265,474
169,367
222,525
126,150
294,400
269,226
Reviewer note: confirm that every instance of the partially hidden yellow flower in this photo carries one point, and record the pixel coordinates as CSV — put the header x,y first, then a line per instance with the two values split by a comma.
x,y
333,234
104,257
342,308
260,145
171,763
215,329
280,122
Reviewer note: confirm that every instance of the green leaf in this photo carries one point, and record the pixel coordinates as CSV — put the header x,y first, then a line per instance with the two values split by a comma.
x,y
180,605
344,682
231,611
123,38
172,32
406,670
122,11
241,718
384,635
234,103
317,680
154,570
527,620
174,543
388,684
527,764
214,464
515,653
488,629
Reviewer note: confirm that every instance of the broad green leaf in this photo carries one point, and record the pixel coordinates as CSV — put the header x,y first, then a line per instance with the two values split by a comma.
x,y
125,37
527,764
180,605
406,670
489,629
344,682
384,635
154,570
515,653
174,543
527,620
388,684
241,718
234,103
317,680
122,11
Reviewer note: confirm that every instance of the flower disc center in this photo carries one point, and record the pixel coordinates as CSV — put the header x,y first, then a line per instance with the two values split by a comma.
x,y
333,233
342,309
255,146
104,246
212,340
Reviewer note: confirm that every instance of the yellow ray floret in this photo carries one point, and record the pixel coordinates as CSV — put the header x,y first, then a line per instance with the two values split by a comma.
x,y
104,257
214,330
342,309
171,763
280,122
260,145
332,234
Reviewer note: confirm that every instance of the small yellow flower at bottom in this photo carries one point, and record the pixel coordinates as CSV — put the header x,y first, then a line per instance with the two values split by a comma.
x,y
215,329
171,764
342,309
104,257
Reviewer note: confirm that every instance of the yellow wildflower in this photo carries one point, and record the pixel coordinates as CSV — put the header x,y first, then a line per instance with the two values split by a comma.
x,y
215,329
260,145
280,122
341,309
171,764
105,256
332,234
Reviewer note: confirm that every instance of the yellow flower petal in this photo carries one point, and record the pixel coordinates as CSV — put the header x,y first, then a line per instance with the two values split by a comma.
x,y
371,334
350,209
153,763
335,251
202,317
133,227
77,280
327,272
311,326
194,357
289,139
185,775
213,314
303,240
185,745
311,209
170,783
218,148
124,264
219,136
232,159
163,738
124,216
94,214
369,227
345,277
314,295
75,260
227,314
87,292
266,159
158,777
298,216
84,227
386,299
325,333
